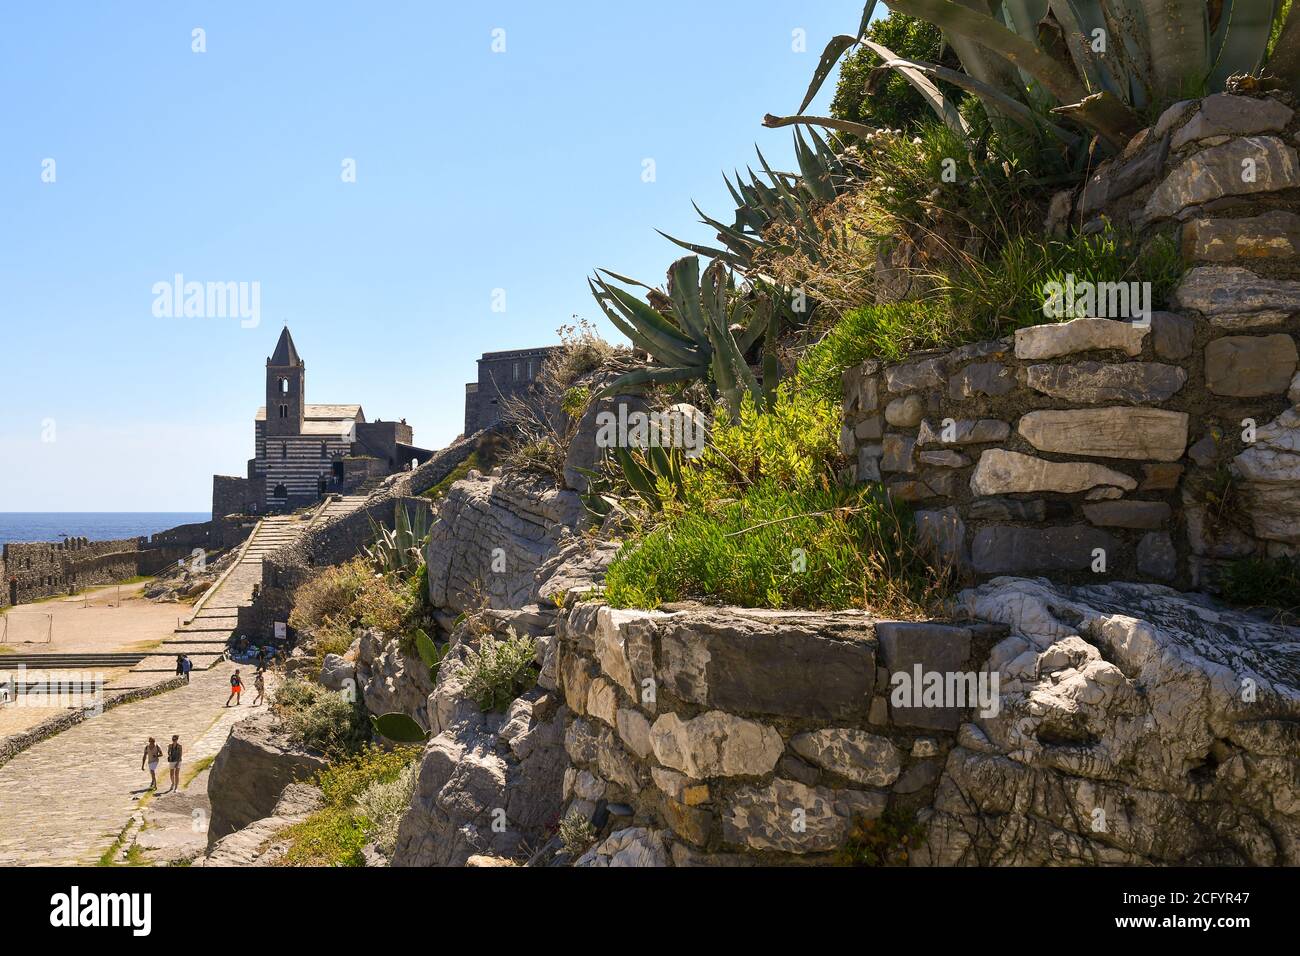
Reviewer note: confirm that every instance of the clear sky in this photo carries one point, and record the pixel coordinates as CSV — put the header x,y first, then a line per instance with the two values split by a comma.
x,y
475,171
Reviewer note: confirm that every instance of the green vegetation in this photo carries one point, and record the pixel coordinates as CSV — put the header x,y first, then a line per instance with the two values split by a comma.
x,y
347,596
196,768
365,797
576,834
320,719
887,841
498,671
885,100
773,547
400,551
1109,85
1264,582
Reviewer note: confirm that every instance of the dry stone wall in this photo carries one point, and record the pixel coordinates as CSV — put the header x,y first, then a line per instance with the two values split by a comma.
x,y
1140,448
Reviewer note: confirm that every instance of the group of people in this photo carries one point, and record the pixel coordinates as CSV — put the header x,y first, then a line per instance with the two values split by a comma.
x,y
152,754
237,687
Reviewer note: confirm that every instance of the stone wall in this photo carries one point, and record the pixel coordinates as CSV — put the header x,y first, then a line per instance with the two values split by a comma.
x,y
31,571
1110,724
1151,448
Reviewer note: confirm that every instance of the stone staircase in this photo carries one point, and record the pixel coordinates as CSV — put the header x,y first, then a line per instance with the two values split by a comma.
x,y
344,505
206,635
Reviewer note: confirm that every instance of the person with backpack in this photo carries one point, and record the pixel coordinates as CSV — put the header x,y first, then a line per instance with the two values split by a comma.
x,y
174,762
259,682
236,688
187,665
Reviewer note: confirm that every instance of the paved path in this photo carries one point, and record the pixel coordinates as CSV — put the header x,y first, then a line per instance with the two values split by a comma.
x,y
65,800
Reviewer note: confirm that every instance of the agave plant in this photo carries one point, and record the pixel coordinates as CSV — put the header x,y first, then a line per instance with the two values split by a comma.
x,y
782,198
1107,65
400,551
701,330
399,728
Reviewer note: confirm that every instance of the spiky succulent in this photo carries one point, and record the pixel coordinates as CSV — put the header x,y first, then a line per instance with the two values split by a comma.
x,y
1107,65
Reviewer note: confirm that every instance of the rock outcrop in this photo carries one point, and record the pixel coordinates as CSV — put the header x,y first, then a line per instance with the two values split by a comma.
x,y
256,844
1138,725
251,771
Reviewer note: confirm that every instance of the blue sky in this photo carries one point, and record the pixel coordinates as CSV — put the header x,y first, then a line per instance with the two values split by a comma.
x,y
475,171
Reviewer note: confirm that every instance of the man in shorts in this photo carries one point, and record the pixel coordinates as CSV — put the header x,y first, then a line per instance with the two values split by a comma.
x,y
151,754
174,762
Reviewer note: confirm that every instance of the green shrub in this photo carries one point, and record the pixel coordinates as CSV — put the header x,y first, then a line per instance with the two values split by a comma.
x,y
341,598
365,796
1263,582
778,547
498,671
887,332
576,834
320,719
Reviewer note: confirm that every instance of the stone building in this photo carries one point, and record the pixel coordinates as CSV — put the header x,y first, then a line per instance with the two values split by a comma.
x,y
304,451
501,375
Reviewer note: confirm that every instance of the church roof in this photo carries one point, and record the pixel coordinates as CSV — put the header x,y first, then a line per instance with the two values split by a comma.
x,y
285,354
323,413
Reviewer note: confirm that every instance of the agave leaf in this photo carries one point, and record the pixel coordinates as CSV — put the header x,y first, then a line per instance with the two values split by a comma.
x,y
844,126
400,729
1241,41
708,251
684,290
1177,34
954,18
834,50
943,107
1284,58
1013,108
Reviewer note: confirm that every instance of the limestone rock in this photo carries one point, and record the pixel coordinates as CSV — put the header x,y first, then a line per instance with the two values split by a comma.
x,y
763,818
1080,335
905,412
337,673
1095,382
715,744
1217,172
1125,699
1270,472
251,771
1128,514
981,378
1004,472
915,376
1115,432
1156,556
898,451
1247,366
516,522
964,432
925,647
1272,235
389,680
1232,290
851,753
1172,335
636,846
1224,114
1002,549
256,844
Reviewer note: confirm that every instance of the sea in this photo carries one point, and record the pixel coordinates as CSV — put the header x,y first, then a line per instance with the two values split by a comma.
x,y
95,525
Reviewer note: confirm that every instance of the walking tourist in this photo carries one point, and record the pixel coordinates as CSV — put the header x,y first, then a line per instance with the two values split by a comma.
x,y
151,754
259,683
187,665
174,762
236,688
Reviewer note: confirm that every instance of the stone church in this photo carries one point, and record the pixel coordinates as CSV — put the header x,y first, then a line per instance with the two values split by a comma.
x,y
303,452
